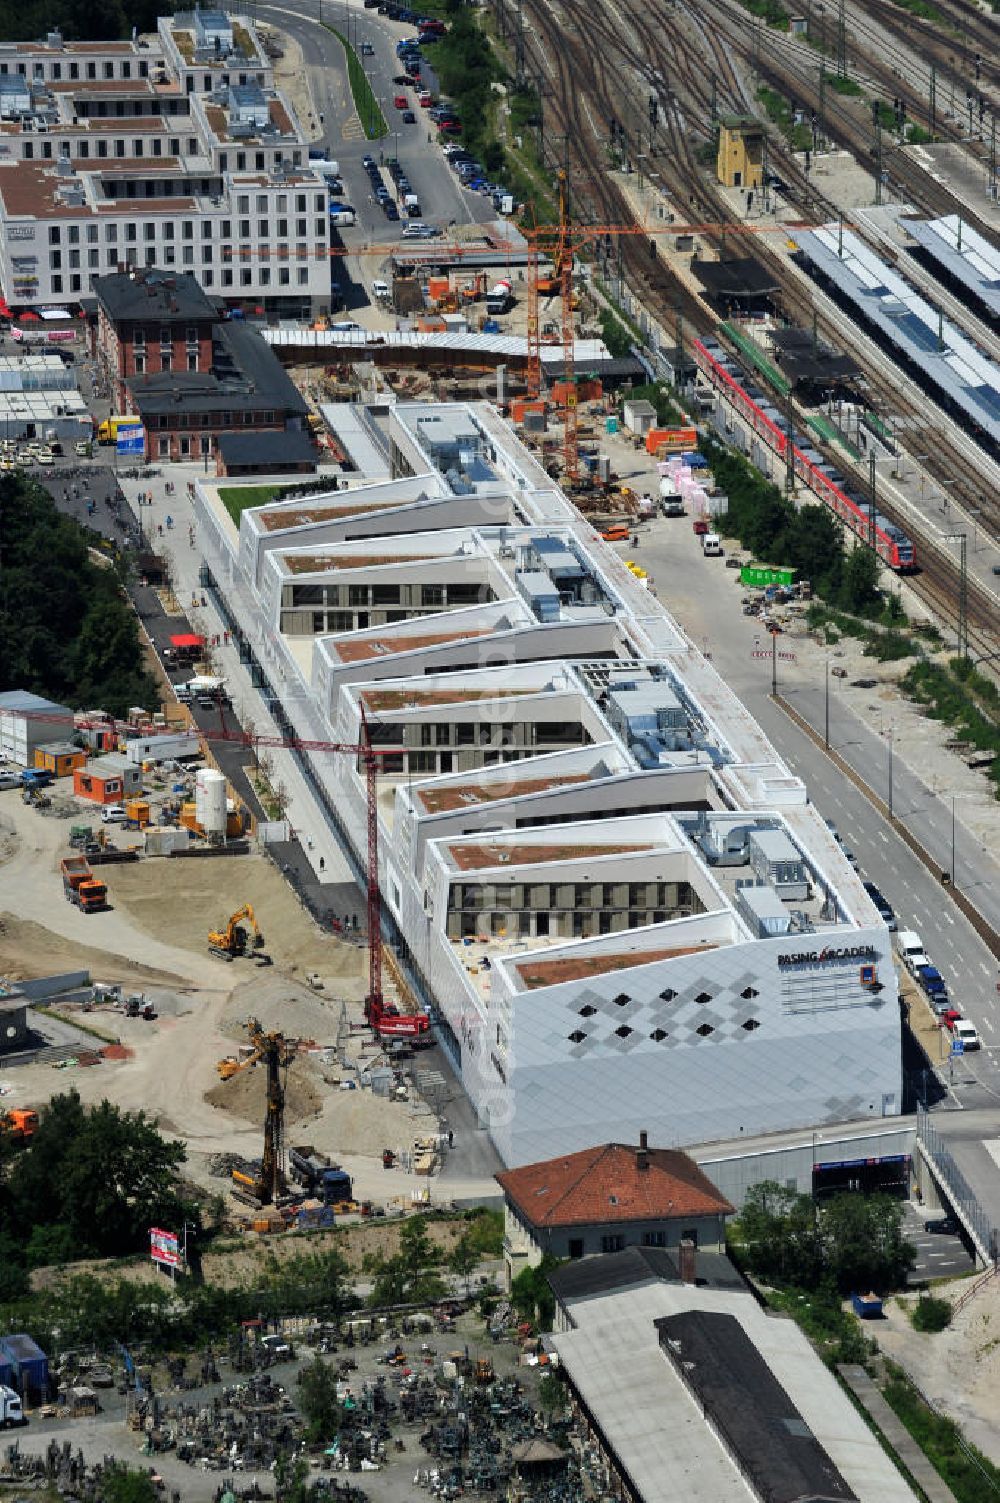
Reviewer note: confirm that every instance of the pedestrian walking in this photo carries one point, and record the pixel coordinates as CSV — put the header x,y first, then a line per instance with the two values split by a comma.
x,y
322,864
451,1138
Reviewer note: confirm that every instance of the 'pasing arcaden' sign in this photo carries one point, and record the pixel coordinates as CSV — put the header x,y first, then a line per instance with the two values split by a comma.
x,y
829,956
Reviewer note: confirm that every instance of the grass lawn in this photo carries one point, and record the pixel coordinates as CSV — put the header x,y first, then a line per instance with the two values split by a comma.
x,y
236,498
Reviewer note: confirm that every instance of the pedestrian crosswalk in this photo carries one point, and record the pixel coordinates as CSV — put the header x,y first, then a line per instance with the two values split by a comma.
x,y
352,129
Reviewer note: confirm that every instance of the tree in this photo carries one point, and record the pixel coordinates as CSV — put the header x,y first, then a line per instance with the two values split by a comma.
x,y
861,572
776,1234
121,1484
412,1274
863,1243
318,1401
853,1241
551,1395
531,1296
463,1261
104,1175
77,639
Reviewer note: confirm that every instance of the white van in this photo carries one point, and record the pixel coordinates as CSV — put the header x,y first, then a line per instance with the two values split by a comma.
x,y
711,545
380,290
965,1031
911,950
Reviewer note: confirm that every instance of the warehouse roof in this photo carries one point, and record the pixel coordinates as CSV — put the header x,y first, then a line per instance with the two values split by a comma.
x,y
745,1404
613,1183
13,700
667,1446
585,1278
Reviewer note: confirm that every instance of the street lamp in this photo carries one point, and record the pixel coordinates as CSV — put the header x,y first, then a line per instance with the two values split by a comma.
x,y
826,707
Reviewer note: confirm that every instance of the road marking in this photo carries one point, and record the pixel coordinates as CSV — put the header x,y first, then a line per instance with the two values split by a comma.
x,y
946,915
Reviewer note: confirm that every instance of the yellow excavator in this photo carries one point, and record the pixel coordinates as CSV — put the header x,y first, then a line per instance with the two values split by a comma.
x,y
276,1051
241,936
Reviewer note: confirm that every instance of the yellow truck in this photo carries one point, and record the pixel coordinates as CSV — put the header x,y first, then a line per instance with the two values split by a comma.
x,y
107,432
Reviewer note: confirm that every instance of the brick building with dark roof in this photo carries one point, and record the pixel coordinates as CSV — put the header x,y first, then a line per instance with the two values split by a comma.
x,y
190,374
605,1199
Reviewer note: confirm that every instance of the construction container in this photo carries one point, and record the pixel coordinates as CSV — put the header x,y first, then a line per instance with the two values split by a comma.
x,y
137,812
30,1365
162,841
60,758
438,288
521,407
759,576
108,780
189,817
671,440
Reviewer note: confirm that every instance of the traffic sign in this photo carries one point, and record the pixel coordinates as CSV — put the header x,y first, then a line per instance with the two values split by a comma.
x,y
957,1047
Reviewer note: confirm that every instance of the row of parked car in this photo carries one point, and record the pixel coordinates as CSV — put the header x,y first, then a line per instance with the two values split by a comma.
x,y
928,977
911,952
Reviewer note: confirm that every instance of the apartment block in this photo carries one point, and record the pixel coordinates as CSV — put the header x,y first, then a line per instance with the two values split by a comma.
x,y
173,150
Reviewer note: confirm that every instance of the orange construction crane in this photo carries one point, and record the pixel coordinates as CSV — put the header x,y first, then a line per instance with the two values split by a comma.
x,y
559,242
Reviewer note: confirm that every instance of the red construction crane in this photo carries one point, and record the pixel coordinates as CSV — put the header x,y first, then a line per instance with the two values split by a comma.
x,y
385,1018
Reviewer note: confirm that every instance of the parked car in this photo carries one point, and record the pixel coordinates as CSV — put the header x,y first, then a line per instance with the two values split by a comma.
x,y
950,1018
113,814
883,908
944,1225
932,981
966,1033
390,210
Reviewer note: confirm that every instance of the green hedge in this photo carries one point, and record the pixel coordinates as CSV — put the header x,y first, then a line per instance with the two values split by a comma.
x,y
373,121
969,1474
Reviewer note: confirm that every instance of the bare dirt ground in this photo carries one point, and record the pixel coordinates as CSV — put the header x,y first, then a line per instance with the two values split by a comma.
x,y
957,1369
155,938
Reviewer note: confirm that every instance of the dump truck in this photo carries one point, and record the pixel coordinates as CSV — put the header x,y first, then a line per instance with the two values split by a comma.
x,y
81,886
314,1171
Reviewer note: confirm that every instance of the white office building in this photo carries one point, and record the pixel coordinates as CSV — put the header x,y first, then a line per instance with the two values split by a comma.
x,y
616,899
172,150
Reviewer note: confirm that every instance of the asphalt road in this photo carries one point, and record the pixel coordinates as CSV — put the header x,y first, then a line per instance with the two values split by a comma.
x,y
940,1255
443,200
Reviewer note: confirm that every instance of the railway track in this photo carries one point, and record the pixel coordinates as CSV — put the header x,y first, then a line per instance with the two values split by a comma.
x,y
591,42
